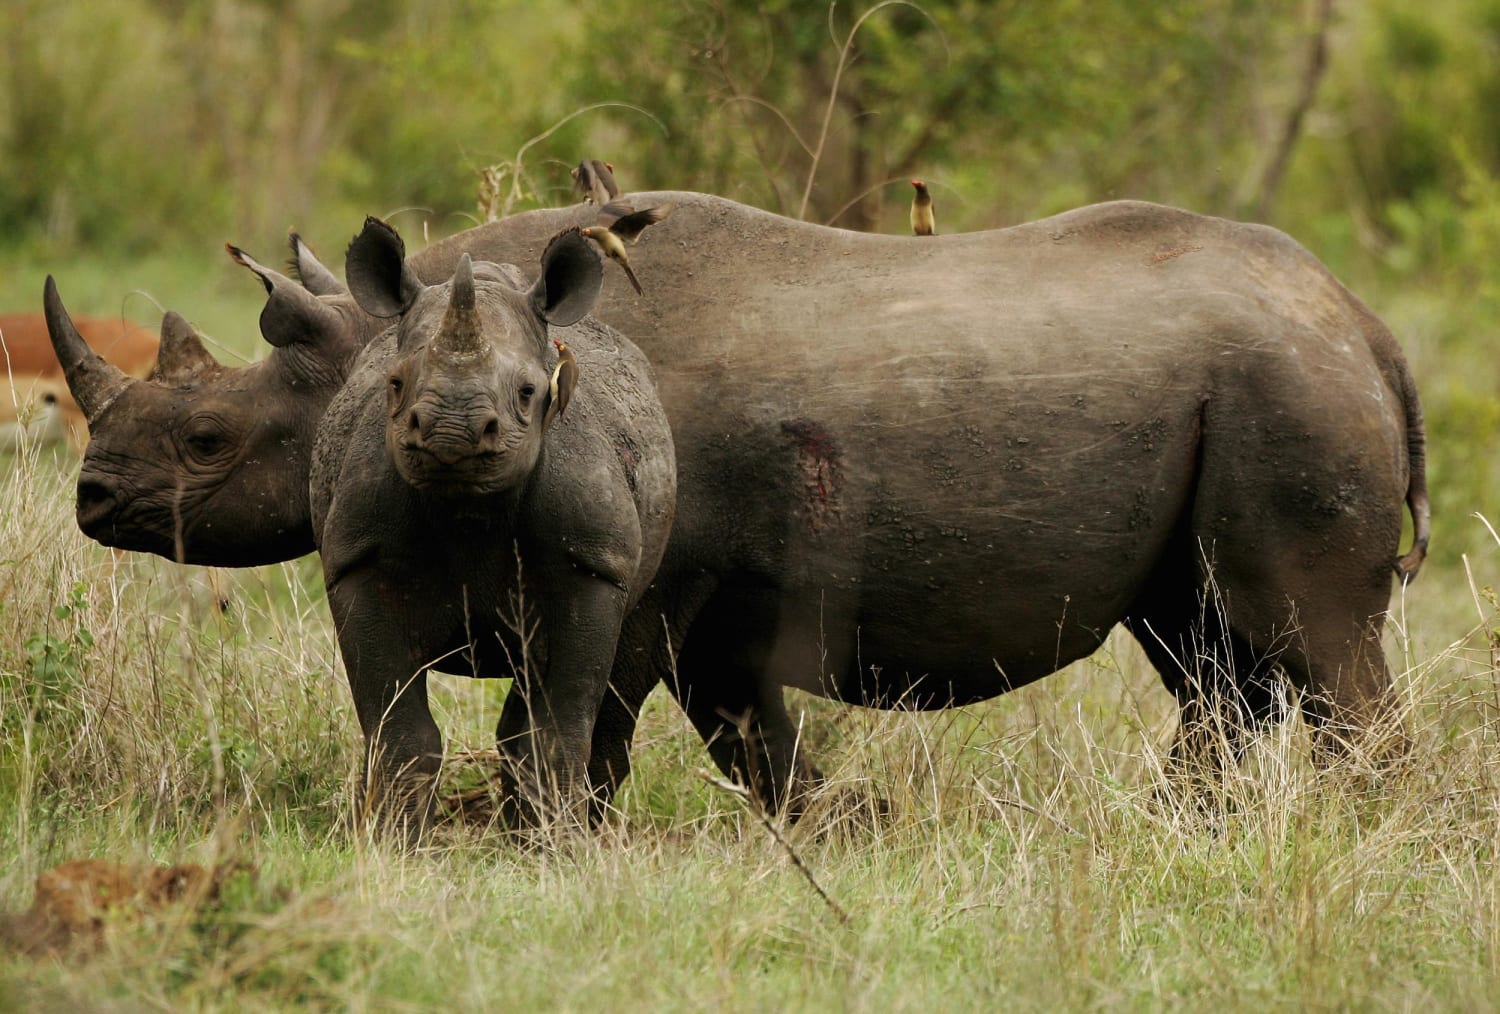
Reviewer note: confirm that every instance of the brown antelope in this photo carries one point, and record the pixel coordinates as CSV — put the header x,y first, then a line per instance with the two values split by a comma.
x,y
35,402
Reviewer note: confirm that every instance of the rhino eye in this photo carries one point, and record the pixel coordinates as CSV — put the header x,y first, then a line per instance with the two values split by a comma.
x,y
206,440
206,444
528,391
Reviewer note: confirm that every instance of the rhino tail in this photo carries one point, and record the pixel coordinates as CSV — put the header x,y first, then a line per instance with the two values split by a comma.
x,y
1407,565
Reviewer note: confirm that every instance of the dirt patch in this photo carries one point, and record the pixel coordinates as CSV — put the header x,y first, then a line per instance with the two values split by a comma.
x,y
76,899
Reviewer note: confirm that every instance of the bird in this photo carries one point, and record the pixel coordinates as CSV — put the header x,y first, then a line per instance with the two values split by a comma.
x,y
564,378
621,218
614,249
604,172
922,221
595,181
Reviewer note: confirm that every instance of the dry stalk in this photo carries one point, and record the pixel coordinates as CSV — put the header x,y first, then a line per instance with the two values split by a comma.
x,y
999,802
745,796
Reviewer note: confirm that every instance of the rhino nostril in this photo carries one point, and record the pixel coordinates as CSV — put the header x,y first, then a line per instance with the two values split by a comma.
x,y
414,421
92,491
491,428
96,500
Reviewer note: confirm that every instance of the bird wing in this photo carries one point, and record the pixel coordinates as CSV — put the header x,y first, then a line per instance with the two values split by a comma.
x,y
584,183
605,174
628,223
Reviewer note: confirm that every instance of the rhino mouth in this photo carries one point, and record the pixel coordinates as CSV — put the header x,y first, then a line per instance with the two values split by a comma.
x,y
482,472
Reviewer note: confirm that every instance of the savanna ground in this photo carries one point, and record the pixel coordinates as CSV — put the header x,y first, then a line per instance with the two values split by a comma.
x,y
1030,860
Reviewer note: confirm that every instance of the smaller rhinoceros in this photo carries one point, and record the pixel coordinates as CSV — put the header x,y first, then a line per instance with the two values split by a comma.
x,y
447,509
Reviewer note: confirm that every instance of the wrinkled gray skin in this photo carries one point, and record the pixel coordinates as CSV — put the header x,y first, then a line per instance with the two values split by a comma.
x,y
203,463
439,504
914,472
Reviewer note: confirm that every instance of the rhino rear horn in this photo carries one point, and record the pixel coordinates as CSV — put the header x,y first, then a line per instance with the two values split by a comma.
x,y
94,382
315,278
292,313
375,266
182,356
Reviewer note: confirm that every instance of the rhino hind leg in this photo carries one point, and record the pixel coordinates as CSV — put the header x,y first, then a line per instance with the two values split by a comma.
x,y
1225,690
721,683
1317,620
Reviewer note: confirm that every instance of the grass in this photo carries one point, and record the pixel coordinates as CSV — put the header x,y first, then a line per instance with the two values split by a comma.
x,y
1029,863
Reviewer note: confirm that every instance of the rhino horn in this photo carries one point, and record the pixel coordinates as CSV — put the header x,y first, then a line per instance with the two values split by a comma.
x,y
94,382
292,313
310,271
460,334
182,356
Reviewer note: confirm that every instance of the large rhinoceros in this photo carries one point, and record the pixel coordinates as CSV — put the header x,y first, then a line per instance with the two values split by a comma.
x,y
205,463
914,473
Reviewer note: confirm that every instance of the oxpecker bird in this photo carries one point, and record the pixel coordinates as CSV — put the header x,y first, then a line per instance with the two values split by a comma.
x,y
621,218
604,172
564,379
614,249
922,221
595,181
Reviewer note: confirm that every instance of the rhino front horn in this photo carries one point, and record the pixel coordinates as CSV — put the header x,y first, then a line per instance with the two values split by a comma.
x,y
460,333
94,382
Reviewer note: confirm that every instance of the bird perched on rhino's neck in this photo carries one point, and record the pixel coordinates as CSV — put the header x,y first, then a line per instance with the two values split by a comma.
x,y
609,241
594,181
564,379
922,221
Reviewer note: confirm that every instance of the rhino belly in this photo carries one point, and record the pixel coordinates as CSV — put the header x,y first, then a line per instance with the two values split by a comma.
x,y
914,594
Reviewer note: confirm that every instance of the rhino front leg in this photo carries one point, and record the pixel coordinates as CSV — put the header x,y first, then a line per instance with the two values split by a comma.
x,y
547,726
388,679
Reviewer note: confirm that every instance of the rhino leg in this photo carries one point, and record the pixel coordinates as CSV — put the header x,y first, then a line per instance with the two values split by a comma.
x,y
547,725
388,679
722,684
1224,689
1311,596
650,641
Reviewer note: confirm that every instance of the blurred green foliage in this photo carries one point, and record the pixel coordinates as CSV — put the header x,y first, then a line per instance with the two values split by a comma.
x,y
147,123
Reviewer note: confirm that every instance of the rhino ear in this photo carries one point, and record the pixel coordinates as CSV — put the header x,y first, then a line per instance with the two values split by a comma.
x,y
572,275
375,266
315,278
182,356
292,314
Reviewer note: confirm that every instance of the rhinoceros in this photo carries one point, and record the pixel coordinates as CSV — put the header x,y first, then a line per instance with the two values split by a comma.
x,y
205,463
922,472
448,491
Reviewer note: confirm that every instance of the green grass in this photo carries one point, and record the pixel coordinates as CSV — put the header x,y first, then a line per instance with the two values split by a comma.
x,y
1030,862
